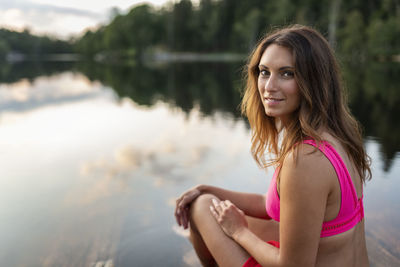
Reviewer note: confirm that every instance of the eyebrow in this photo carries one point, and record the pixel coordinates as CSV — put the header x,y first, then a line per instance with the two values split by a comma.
x,y
281,68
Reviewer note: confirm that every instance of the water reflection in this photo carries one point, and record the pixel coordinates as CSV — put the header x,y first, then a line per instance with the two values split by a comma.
x,y
25,95
210,86
375,101
373,94
94,157
10,73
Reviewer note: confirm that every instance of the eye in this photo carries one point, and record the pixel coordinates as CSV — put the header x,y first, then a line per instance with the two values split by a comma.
x,y
288,74
264,73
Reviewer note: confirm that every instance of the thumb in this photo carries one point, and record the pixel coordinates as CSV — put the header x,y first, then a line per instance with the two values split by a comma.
x,y
241,212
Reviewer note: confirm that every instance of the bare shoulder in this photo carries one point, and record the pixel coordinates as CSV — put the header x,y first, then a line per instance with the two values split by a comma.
x,y
307,166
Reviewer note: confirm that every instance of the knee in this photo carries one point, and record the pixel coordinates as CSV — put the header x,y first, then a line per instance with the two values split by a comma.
x,y
202,203
201,207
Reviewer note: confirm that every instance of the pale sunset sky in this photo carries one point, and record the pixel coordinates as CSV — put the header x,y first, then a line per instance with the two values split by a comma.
x,y
61,18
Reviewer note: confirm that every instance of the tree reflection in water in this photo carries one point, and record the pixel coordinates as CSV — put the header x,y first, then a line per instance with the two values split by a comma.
x,y
372,89
211,89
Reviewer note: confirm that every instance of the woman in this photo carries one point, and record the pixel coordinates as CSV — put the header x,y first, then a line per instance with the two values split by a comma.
x,y
312,214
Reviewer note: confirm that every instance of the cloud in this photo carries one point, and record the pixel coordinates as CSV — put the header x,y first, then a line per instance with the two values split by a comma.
x,y
61,18
25,6
58,89
58,21
160,165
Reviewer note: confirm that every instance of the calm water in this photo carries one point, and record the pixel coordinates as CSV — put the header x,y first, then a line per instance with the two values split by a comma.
x,y
92,158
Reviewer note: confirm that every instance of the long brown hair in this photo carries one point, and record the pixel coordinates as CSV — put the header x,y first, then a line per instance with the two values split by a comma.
x,y
323,103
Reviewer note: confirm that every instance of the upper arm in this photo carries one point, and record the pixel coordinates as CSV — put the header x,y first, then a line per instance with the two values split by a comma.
x,y
304,190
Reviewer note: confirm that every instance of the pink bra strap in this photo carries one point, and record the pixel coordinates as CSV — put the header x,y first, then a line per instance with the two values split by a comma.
x,y
351,208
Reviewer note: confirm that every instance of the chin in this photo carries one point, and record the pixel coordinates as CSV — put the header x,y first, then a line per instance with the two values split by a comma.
x,y
269,113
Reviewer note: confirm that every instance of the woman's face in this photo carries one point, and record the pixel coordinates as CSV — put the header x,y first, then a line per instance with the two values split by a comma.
x,y
278,88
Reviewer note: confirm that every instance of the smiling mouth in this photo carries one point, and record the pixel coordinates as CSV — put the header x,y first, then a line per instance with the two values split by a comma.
x,y
272,99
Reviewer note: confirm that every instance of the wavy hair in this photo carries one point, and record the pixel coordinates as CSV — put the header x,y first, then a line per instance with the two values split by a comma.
x,y
323,102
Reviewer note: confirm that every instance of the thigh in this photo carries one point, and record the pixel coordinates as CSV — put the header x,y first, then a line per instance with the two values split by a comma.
x,y
225,250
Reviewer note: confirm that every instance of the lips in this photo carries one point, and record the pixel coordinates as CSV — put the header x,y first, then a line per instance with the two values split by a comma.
x,y
273,99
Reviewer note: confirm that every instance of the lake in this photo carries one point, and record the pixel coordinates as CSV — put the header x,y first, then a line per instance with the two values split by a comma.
x,y
93,156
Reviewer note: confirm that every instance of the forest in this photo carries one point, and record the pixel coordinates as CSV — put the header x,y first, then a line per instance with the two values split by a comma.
x,y
358,29
25,45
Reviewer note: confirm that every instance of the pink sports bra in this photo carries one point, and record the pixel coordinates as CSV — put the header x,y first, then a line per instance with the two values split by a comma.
x,y
351,208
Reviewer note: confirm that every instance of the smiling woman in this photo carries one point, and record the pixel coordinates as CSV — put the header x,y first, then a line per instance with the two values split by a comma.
x,y
312,214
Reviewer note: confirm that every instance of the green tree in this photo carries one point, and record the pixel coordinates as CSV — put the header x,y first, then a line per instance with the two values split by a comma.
x,y
183,31
352,46
4,49
384,37
246,31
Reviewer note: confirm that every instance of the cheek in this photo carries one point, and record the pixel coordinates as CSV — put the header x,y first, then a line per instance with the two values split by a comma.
x,y
297,98
260,86
294,91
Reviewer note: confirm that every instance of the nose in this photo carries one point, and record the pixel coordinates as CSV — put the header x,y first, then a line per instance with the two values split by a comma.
x,y
271,84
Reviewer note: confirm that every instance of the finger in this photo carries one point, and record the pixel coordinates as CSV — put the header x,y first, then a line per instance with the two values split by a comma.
x,y
178,219
184,220
180,209
182,202
187,214
224,204
228,202
180,215
176,215
214,212
216,205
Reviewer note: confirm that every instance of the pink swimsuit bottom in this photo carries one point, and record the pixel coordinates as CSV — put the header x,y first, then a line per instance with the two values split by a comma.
x,y
351,208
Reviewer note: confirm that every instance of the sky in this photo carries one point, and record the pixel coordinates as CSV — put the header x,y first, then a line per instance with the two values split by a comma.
x,y
61,18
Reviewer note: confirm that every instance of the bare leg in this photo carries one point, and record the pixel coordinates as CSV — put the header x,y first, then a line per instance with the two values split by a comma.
x,y
200,247
209,241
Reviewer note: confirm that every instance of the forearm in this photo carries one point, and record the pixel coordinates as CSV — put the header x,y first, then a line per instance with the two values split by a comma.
x,y
250,203
264,253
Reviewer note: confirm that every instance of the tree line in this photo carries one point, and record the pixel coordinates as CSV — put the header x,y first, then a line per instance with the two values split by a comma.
x,y
357,29
31,46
